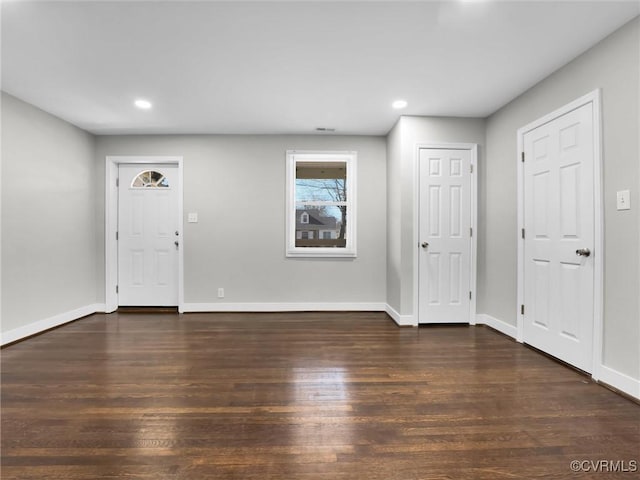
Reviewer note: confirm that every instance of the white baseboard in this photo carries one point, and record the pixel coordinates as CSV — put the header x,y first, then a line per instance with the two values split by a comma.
x,y
619,381
281,307
499,325
51,322
401,320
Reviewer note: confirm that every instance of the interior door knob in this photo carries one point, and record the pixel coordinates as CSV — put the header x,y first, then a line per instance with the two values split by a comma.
x,y
425,244
583,252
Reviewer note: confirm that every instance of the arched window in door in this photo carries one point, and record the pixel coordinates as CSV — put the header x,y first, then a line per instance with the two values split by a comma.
x,y
150,179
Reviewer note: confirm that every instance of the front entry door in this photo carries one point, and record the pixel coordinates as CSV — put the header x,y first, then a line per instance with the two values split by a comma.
x,y
148,235
559,237
445,236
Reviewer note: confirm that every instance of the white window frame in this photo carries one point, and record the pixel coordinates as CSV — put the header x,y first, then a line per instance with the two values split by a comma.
x,y
350,158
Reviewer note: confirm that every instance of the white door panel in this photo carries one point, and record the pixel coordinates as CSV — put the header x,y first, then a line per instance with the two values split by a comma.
x,y
445,224
147,231
558,220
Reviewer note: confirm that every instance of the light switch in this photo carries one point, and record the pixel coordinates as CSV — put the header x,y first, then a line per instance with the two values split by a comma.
x,y
623,200
192,218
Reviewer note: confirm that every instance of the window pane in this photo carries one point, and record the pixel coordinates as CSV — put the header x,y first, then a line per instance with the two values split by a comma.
x,y
150,179
321,182
321,226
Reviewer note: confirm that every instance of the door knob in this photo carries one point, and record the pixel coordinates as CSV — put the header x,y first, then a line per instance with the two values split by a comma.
x,y
425,244
583,252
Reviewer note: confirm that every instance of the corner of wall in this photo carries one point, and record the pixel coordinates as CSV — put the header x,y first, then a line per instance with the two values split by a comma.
x,y
401,320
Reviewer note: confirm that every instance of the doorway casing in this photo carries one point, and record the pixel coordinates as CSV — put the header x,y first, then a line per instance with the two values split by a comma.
x,y
111,224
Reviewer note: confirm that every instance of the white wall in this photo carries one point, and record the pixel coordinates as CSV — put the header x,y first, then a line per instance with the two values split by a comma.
x,y
394,211
48,218
401,206
236,184
612,65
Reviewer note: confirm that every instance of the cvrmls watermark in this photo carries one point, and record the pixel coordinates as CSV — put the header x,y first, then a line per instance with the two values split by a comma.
x,y
602,466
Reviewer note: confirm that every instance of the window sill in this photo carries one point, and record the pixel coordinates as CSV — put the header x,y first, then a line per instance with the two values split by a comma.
x,y
320,253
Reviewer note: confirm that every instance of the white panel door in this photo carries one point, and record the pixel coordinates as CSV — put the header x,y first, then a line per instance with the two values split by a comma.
x,y
148,235
445,236
559,226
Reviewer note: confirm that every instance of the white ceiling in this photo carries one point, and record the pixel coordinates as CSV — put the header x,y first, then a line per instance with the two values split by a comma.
x,y
287,67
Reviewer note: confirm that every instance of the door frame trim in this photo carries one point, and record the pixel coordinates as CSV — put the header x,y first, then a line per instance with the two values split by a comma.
x,y
473,148
594,98
111,223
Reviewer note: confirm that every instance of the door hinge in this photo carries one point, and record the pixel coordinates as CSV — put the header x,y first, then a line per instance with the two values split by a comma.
x,y
116,288
471,231
116,235
523,156
521,309
469,295
522,233
471,169
117,182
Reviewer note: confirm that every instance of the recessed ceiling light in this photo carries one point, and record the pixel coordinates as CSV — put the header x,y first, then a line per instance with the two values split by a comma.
x,y
142,104
398,104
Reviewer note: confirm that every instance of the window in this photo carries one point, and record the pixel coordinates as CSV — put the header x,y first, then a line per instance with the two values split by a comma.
x,y
150,179
321,213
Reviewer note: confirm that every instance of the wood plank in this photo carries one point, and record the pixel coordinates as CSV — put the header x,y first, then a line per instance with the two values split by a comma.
x,y
298,396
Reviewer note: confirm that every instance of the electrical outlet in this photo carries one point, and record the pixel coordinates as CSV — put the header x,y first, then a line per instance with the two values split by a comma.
x,y
221,293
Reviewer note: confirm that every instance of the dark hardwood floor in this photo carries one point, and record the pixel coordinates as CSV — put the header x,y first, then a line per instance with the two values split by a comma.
x,y
300,396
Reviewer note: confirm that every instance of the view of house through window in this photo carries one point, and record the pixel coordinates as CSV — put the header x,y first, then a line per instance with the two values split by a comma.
x,y
321,204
